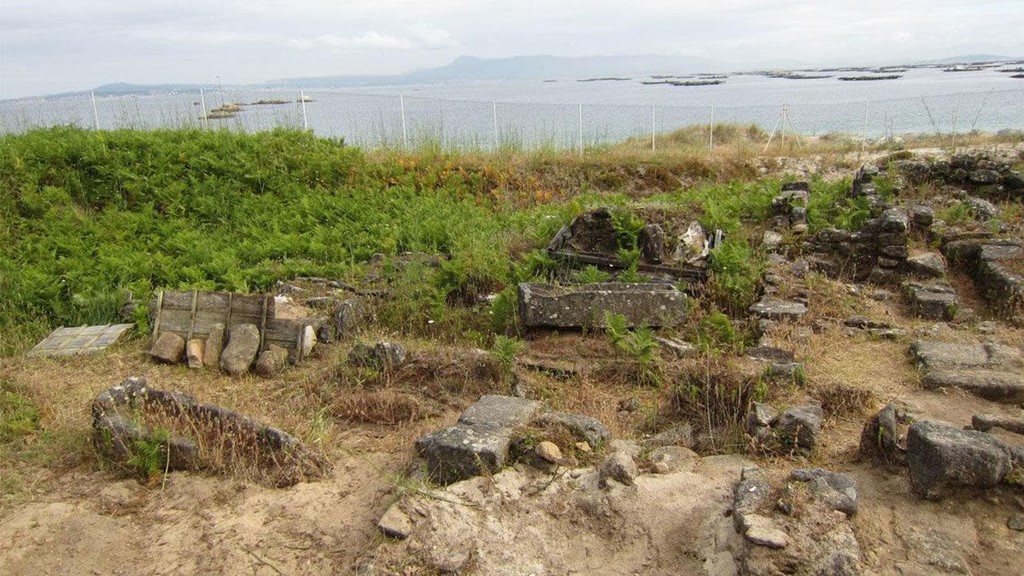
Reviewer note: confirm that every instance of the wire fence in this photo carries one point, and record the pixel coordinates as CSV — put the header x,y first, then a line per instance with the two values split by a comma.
x,y
368,120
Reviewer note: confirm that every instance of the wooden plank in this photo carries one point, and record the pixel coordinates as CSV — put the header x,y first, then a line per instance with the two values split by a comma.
x,y
280,329
174,300
159,309
192,315
176,321
213,302
205,320
250,306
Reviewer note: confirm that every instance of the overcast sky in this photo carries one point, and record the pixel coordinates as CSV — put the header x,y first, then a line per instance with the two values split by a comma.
x,y
49,46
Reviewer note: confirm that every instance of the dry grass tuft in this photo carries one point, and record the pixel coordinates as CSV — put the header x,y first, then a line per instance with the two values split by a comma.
x,y
380,407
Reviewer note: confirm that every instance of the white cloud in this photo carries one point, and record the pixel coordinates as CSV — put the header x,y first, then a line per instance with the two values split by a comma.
x,y
418,37
366,41
70,44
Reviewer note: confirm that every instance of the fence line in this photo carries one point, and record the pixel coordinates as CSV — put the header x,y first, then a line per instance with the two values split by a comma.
x,y
372,120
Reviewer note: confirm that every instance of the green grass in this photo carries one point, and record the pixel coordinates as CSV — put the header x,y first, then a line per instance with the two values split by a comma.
x,y
91,216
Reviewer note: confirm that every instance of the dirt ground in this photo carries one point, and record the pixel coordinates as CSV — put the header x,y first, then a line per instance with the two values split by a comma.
x,y
67,514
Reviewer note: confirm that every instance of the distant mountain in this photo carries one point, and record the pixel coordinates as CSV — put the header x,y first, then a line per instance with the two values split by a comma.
x,y
970,59
522,67
126,88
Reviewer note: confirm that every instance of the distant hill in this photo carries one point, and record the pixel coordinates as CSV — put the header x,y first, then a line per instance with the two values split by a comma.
x,y
126,88
522,67
970,59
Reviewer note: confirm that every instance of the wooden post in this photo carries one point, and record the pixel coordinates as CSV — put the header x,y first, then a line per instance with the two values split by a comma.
x,y
159,308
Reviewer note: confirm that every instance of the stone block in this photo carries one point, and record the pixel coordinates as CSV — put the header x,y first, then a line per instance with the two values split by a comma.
x,y
943,459
169,348
214,346
654,305
496,411
194,351
460,452
932,301
240,353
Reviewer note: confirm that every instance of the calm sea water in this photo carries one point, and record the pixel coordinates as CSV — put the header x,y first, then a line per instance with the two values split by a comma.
x,y
565,112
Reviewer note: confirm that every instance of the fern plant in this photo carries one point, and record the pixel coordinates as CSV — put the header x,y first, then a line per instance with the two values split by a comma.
x,y
638,344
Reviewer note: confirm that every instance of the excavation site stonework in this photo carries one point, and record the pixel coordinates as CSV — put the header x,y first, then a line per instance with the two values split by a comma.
x,y
799,363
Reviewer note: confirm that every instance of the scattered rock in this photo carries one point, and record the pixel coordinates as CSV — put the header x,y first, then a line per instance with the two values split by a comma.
x,y
798,428
771,240
348,316
271,361
592,430
168,348
652,243
1016,522
382,356
983,209
942,458
693,244
838,491
761,531
922,216
549,452
676,347
881,437
760,419
240,353
396,523
619,466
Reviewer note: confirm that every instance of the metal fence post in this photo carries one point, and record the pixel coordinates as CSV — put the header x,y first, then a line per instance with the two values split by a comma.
x,y
95,114
581,129
956,118
405,134
654,131
202,104
711,131
305,121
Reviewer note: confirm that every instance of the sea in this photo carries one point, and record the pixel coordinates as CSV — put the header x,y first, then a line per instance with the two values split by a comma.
x,y
568,112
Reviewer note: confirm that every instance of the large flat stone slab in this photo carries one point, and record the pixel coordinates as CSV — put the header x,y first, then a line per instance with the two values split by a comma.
x,y
653,304
494,411
991,371
770,309
80,340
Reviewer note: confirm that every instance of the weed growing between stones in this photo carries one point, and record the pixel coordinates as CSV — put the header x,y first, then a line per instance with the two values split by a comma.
x,y
639,345
150,457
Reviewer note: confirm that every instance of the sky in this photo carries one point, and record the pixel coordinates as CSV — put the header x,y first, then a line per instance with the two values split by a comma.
x,y
52,46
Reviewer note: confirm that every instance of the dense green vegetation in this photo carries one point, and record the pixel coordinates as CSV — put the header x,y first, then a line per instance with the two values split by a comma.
x,y
88,217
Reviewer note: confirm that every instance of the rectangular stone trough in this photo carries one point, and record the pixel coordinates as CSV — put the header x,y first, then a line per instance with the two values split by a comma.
x,y
547,305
